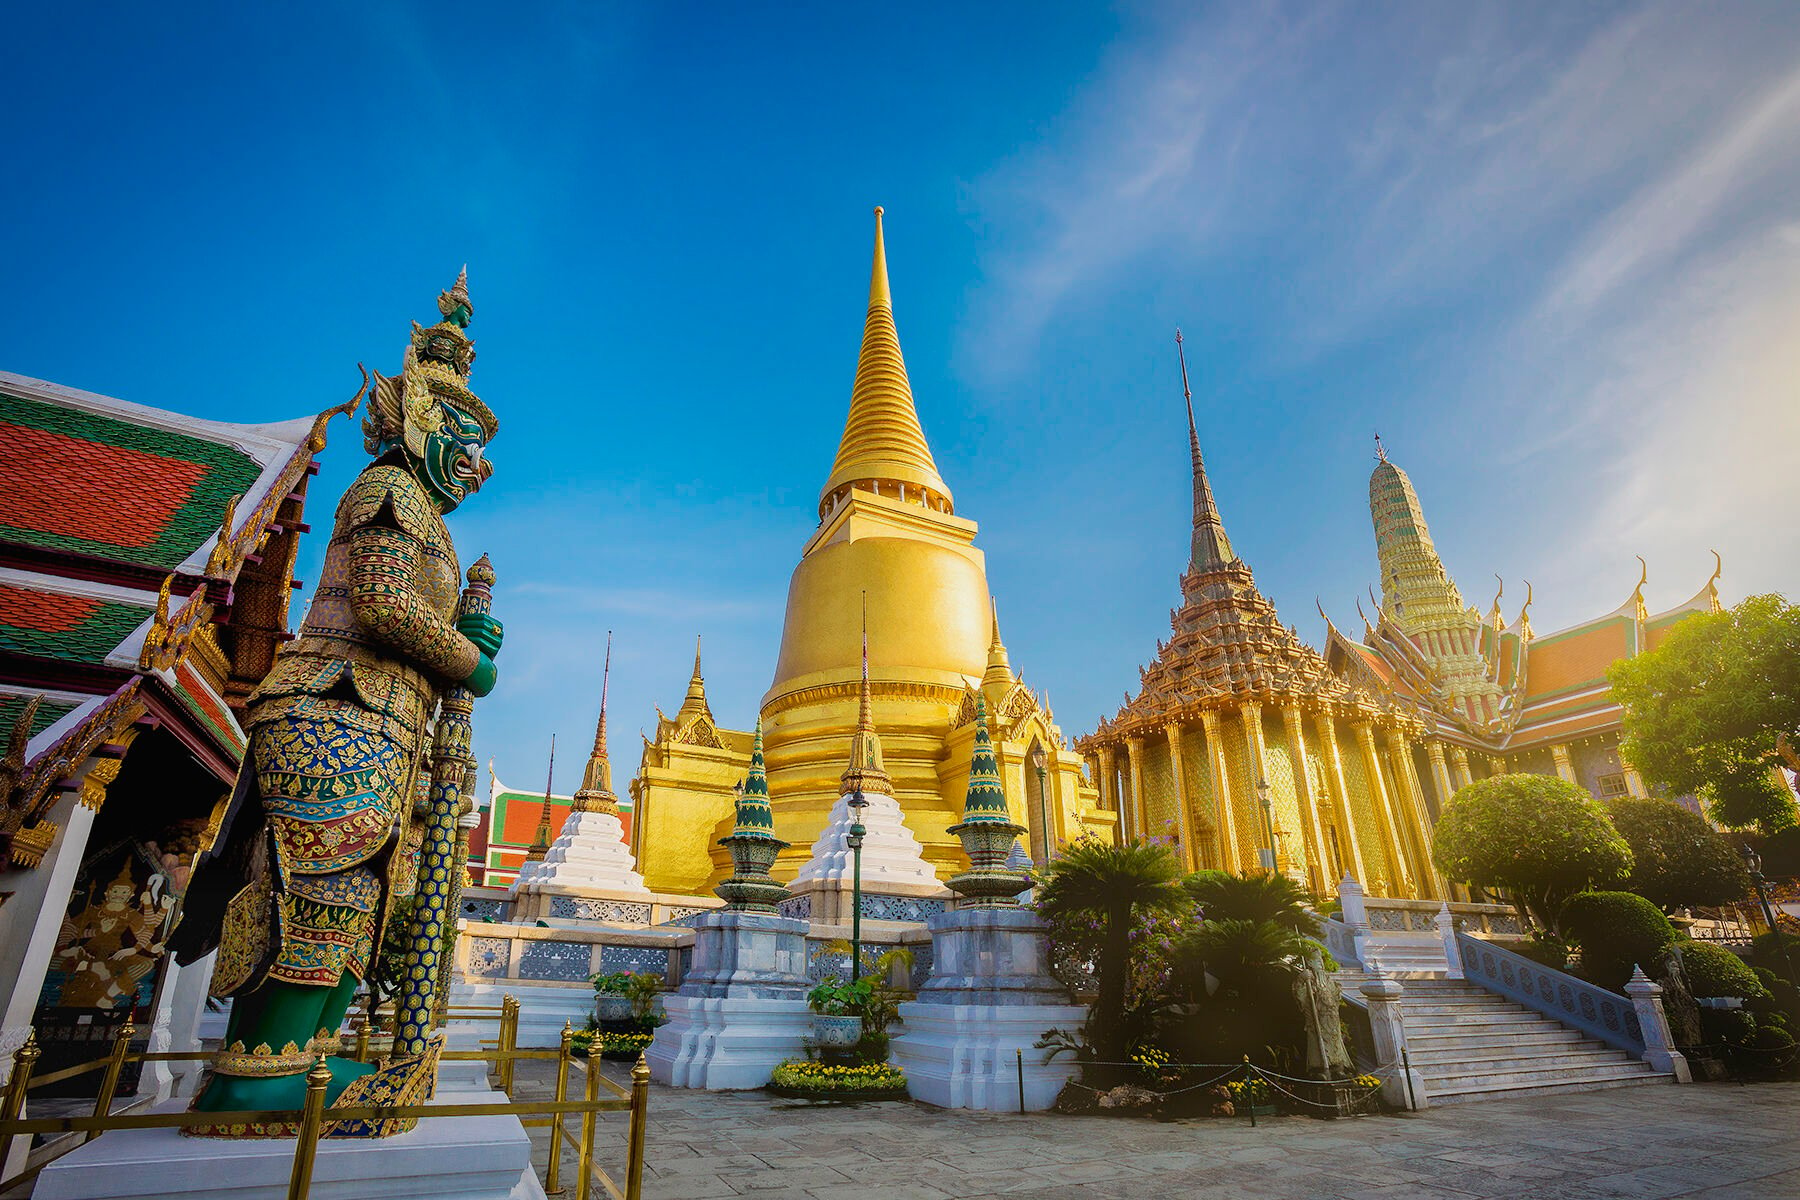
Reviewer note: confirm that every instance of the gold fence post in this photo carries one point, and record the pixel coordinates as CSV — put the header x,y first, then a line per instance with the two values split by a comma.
x,y
24,1059
587,1120
640,1118
307,1145
109,1083
551,1186
362,1040
509,1040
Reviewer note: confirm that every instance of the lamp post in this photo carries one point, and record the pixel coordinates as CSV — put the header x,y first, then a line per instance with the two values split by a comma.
x,y
1268,807
855,841
1039,760
1753,863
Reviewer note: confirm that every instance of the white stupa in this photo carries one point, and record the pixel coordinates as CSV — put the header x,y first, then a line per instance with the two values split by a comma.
x,y
892,862
589,856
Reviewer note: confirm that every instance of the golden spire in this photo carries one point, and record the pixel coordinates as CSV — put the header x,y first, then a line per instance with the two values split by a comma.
x,y
884,446
1712,585
694,703
866,773
596,791
540,845
999,669
1210,547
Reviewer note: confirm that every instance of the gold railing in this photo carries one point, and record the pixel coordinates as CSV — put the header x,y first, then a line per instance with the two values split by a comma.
x,y
502,1059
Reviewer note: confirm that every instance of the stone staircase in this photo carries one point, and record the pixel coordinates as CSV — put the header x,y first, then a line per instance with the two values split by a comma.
x,y
1471,1044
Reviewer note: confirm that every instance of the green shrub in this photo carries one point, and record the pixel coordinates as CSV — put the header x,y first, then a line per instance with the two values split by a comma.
x,y
1716,971
1616,932
824,1079
1543,947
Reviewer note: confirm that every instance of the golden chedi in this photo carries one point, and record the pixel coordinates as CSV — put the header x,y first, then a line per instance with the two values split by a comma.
x,y
888,536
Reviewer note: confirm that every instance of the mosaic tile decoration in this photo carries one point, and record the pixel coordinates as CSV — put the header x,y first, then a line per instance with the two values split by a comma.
x,y
488,957
563,961
607,912
634,958
898,908
482,908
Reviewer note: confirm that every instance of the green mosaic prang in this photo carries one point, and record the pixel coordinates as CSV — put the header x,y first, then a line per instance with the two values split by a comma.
x,y
89,642
986,799
229,472
49,713
755,815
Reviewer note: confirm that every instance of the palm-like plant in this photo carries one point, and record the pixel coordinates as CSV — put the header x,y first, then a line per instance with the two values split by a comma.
x,y
1113,884
1268,897
1246,955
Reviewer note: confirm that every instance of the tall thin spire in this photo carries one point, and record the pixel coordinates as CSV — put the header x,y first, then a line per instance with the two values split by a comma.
x,y
999,668
1210,547
694,703
596,792
540,845
865,771
884,447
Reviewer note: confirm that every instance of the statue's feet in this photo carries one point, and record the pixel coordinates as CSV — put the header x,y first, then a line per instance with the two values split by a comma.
x,y
238,1093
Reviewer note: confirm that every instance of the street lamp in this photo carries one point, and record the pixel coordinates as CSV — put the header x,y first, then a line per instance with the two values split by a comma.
x,y
855,842
1753,864
1268,807
1038,762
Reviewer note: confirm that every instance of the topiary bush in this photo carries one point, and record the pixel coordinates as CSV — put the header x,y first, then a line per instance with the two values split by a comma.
x,y
1616,932
1542,838
1716,971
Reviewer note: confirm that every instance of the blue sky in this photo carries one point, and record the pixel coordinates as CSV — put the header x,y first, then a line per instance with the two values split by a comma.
x,y
1551,253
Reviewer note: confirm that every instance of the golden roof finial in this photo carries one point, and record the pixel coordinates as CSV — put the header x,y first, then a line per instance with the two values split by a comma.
x,y
1380,450
1209,547
883,444
595,793
1639,611
1524,621
540,845
1712,585
999,668
1494,617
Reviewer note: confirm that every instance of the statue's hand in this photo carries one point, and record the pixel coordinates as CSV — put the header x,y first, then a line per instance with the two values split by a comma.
x,y
482,679
483,630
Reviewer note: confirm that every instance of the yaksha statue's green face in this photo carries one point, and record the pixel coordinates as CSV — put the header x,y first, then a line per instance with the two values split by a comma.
x,y
452,464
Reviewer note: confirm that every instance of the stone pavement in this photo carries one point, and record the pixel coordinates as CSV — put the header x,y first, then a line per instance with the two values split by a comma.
x,y
1710,1141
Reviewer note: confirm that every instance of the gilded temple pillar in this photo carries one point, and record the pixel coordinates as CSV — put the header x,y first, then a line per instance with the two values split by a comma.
x,y
1224,817
1459,767
1440,772
1255,754
1565,766
1401,883
1109,790
1310,829
1415,817
1334,777
1134,755
1190,846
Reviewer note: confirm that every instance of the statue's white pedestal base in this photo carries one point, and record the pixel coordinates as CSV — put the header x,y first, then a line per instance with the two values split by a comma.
x,y
452,1158
742,1008
989,999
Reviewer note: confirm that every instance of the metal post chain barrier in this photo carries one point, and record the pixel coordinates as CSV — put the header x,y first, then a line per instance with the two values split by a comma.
x,y
109,1084
306,1146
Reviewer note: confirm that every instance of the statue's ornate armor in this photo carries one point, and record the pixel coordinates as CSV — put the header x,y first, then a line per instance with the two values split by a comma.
x,y
336,732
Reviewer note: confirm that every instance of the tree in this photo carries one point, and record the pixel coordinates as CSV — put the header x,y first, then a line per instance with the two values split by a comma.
x,y
1617,932
1715,709
1113,884
1677,860
1272,898
1541,837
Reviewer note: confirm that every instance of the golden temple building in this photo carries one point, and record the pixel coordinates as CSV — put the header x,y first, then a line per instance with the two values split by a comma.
x,y
1496,696
1243,747
889,537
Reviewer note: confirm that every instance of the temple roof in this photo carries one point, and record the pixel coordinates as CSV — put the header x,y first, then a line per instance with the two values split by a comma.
x,y
883,440
1229,646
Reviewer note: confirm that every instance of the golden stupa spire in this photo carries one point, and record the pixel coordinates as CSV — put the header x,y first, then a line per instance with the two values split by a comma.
x,y
1210,547
883,447
694,703
865,772
596,791
999,669
540,845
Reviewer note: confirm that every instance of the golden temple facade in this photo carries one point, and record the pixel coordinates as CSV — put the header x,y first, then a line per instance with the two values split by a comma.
x,y
1245,749
1495,696
889,540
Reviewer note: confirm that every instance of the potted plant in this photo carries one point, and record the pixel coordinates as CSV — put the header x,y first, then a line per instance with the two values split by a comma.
x,y
622,997
837,1012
